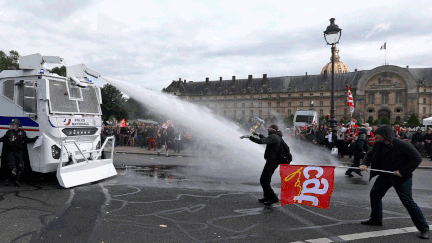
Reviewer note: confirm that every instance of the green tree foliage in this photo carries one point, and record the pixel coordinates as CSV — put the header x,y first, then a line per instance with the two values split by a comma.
x,y
413,120
370,121
376,122
358,121
6,61
385,120
61,71
321,118
135,109
113,103
289,120
397,122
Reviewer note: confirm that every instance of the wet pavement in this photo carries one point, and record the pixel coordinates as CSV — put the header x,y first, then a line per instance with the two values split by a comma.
x,y
169,199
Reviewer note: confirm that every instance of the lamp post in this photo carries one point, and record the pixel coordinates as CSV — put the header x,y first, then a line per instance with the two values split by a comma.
x,y
332,36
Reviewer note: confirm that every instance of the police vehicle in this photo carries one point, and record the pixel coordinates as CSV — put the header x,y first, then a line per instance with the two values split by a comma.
x,y
65,112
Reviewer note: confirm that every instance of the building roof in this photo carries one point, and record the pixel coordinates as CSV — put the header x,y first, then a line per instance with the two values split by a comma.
x,y
267,85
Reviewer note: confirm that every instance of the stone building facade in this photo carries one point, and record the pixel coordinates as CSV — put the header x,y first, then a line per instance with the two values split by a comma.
x,y
385,91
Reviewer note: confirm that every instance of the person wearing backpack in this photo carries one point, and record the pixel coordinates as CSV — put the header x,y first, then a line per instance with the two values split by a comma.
x,y
361,147
271,155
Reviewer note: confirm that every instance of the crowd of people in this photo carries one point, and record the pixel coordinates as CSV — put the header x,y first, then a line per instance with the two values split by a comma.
x,y
160,138
349,140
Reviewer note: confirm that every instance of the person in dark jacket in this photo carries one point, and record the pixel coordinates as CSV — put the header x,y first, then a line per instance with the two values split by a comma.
x,y
273,142
428,143
417,140
393,154
15,140
361,147
319,135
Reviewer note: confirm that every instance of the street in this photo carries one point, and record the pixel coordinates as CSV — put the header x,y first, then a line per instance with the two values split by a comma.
x,y
172,199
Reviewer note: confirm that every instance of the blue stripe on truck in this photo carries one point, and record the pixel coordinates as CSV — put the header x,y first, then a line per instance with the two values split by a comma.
x,y
25,121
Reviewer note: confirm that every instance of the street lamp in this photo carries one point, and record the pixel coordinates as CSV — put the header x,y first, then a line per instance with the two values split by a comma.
x,y
332,36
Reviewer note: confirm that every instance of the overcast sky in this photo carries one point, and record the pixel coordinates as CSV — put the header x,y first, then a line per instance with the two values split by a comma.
x,y
154,42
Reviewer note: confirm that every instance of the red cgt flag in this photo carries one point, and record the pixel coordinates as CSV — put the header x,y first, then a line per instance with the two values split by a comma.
x,y
307,185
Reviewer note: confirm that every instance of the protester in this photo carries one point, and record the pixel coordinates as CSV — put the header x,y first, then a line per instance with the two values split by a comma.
x,y
340,143
14,142
273,142
319,135
330,139
164,141
152,136
393,154
417,140
360,148
428,143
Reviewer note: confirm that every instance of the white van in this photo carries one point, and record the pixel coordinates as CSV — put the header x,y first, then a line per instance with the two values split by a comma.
x,y
301,117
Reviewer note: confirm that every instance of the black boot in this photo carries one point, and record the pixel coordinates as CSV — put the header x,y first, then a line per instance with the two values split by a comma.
x,y
17,183
372,222
262,200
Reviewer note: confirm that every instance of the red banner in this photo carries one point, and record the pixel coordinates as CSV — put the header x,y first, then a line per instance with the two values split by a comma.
x,y
307,185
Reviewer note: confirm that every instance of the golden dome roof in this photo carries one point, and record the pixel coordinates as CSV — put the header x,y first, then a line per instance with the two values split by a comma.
x,y
340,67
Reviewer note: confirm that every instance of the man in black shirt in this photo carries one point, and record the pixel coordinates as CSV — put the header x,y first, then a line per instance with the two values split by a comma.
x,y
15,139
393,154
271,153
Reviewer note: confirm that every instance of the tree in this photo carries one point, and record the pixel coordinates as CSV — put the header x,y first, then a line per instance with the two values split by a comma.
x,y
61,71
289,120
113,103
397,122
385,120
413,120
370,121
8,61
135,109
376,122
358,121
321,118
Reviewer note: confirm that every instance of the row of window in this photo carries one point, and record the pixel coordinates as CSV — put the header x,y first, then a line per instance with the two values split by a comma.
x,y
251,105
385,98
261,96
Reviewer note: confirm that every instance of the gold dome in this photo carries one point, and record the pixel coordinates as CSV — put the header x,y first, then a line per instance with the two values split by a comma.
x,y
340,67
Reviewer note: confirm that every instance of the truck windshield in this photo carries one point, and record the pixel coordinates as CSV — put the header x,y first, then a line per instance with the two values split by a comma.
x,y
302,118
61,101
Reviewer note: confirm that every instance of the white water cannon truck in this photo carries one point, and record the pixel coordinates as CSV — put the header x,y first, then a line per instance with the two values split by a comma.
x,y
65,111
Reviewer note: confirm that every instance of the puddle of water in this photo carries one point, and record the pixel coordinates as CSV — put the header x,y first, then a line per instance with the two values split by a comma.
x,y
165,172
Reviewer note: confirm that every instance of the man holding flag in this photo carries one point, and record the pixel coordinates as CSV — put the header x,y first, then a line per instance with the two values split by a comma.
x,y
393,154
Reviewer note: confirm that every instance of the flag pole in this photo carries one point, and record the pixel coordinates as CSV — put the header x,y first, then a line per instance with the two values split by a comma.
x,y
385,57
357,168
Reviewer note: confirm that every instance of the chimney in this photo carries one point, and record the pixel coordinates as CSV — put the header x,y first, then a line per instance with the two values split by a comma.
x,y
355,70
180,79
264,82
185,81
249,81
207,83
233,81
407,66
207,80
306,74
